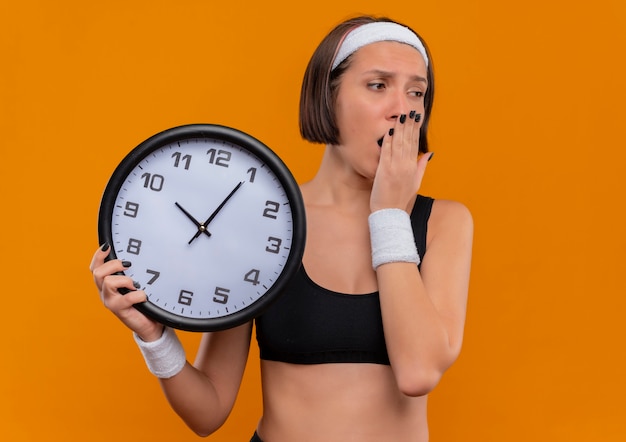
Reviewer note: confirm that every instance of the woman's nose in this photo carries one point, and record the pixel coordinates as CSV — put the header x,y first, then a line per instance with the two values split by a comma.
x,y
398,105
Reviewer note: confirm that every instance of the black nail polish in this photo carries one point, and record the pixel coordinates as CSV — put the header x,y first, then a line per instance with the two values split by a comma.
x,y
402,118
418,117
412,115
136,285
391,131
105,247
380,141
126,264
431,156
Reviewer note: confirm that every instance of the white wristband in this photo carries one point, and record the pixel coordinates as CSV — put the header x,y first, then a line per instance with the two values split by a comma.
x,y
392,239
164,357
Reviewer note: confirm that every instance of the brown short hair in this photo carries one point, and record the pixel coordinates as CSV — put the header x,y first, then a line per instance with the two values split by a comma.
x,y
320,85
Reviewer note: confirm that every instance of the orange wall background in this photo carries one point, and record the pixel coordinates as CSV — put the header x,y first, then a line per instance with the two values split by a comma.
x,y
527,130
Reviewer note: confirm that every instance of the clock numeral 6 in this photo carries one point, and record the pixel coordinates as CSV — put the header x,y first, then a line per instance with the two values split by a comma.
x,y
185,297
271,209
221,295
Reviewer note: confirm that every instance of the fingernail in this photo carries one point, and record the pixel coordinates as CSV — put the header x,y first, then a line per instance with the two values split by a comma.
x,y
418,117
412,115
431,156
402,118
137,285
380,141
105,247
126,264
391,131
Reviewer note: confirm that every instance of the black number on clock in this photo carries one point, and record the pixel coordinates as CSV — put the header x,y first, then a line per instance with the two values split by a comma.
x,y
219,157
155,275
271,209
134,246
178,157
185,297
252,172
252,276
153,182
221,295
274,244
131,209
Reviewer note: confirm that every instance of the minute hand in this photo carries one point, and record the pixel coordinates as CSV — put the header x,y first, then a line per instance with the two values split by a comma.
x,y
203,226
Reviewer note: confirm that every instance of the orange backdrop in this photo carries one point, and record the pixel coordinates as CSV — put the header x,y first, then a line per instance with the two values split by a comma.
x,y
527,132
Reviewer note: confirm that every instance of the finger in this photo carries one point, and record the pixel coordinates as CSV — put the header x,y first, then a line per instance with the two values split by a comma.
x,y
109,268
120,292
136,297
416,121
399,136
422,163
385,148
99,257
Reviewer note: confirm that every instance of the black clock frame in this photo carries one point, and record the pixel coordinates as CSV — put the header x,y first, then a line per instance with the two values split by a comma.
x,y
268,157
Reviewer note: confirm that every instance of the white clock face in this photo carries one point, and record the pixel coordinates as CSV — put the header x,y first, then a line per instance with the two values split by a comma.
x,y
206,225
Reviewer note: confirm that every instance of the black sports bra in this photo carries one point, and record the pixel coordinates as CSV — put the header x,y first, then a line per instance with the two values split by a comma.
x,y
309,324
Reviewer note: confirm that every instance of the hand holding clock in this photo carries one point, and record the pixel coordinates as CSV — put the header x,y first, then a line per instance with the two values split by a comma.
x,y
109,280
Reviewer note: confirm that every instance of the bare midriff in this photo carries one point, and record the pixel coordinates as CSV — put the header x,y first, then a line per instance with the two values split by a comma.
x,y
338,402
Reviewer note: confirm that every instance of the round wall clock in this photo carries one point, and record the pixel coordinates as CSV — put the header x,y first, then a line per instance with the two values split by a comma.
x,y
212,221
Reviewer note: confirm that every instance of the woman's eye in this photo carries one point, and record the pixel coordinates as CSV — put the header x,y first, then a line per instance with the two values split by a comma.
x,y
418,94
376,86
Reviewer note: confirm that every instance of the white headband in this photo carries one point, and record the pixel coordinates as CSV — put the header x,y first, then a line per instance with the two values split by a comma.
x,y
373,33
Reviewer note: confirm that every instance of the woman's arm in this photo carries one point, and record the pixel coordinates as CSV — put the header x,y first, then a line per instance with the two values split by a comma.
x,y
202,394
424,313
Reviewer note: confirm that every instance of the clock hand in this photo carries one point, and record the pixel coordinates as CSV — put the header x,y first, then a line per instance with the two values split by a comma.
x,y
193,220
202,227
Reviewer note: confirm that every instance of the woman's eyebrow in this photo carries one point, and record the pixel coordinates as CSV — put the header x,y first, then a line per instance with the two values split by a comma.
x,y
388,74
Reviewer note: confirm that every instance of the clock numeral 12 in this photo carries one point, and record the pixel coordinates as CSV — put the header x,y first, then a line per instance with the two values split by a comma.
x,y
219,157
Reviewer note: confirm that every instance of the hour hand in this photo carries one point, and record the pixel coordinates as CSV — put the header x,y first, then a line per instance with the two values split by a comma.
x,y
201,227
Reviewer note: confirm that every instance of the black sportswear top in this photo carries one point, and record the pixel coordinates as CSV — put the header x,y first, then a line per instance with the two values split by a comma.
x,y
309,324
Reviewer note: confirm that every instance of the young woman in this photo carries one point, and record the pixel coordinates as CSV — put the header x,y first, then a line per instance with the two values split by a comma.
x,y
376,314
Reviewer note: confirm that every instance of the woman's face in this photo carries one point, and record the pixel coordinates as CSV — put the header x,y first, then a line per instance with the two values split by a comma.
x,y
383,81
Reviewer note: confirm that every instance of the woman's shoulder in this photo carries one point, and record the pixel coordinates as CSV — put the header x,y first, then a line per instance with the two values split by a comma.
x,y
450,214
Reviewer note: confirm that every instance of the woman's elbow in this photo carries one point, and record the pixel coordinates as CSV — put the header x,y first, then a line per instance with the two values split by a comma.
x,y
205,428
418,382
